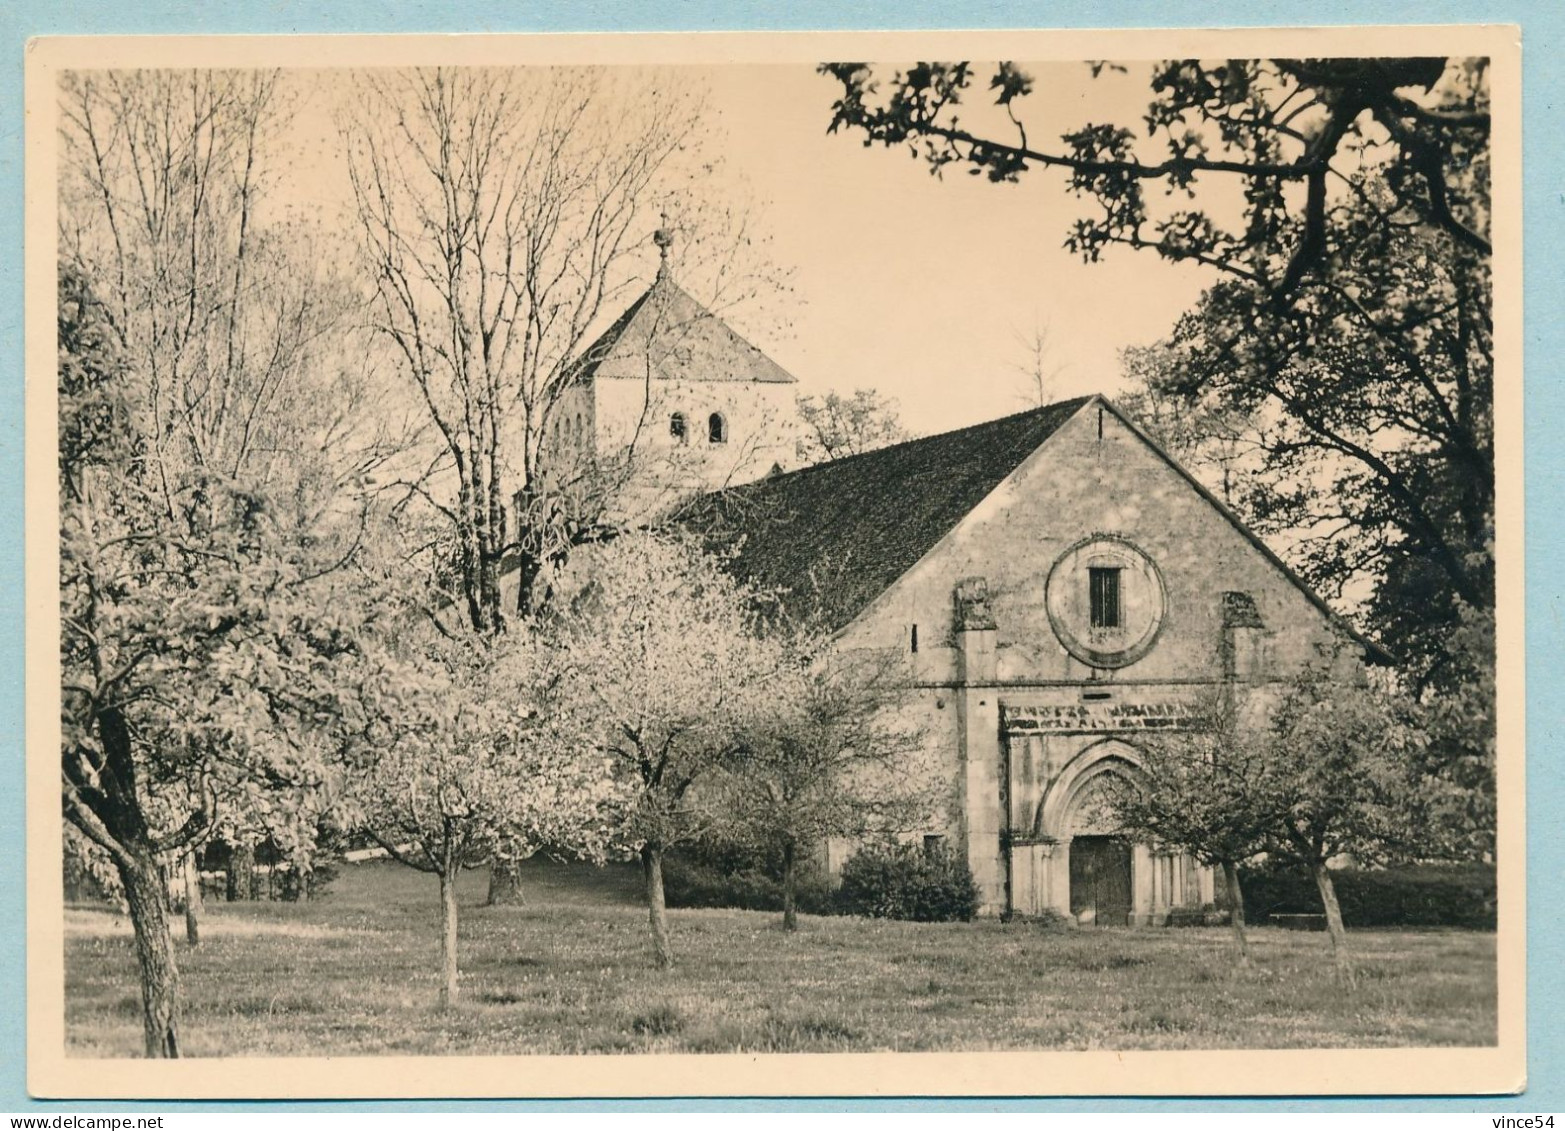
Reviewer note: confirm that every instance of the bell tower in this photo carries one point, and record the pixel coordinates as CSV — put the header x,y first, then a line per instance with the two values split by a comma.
x,y
675,401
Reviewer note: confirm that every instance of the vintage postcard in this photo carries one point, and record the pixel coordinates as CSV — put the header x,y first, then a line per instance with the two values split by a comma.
x,y
755,564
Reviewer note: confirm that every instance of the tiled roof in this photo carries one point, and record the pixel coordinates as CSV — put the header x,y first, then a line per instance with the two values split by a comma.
x,y
831,538
682,340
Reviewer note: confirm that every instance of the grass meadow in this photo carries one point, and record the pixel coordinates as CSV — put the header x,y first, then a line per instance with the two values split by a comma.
x,y
354,974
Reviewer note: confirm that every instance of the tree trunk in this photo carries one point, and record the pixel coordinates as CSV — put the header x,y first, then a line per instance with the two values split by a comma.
x,y
1328,899
448,986
1236,910
505,885
529,551
790,870
657,915
489,585
193,906
155,953
111,798
241,873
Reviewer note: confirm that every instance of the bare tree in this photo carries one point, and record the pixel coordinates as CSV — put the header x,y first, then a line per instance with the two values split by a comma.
x,y
502,213
836,426
1038,371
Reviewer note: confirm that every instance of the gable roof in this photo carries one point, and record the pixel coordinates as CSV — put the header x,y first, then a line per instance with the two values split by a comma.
x,y
683,339
831,538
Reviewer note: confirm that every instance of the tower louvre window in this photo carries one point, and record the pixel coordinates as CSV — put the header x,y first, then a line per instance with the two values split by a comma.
x,y
678,428
1103,590
717,429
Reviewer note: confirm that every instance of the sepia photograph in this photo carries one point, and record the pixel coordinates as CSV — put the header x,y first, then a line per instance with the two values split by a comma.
x,y
639,565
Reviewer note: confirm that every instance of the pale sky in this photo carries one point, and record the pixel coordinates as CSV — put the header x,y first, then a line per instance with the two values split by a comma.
x,y
923,289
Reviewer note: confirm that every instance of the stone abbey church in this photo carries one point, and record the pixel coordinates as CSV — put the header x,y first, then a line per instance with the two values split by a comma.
x,y
1056,584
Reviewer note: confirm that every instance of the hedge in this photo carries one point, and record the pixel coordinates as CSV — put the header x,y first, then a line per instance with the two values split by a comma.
x,y
1425,895
884,882
696,883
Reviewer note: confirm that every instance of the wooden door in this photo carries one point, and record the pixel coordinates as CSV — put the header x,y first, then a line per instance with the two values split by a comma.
x,y
1100,881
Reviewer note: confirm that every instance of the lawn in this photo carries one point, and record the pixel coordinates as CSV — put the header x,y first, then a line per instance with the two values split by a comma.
x,y
355,974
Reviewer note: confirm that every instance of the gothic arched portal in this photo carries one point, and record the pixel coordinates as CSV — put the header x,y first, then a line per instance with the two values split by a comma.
x,y
1100,861
1080,862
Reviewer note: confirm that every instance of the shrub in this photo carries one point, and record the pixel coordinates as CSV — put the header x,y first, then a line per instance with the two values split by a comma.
x,y
691,882
886,882
733,856
1207,915
928,885
1423,895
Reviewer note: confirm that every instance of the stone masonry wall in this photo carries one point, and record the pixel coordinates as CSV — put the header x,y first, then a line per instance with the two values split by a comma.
x,y
759,419
1075,486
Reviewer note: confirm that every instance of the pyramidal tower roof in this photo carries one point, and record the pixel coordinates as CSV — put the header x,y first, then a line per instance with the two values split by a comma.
x,y
677,338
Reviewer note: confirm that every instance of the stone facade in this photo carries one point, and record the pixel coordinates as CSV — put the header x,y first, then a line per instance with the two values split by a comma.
x,y
1035,689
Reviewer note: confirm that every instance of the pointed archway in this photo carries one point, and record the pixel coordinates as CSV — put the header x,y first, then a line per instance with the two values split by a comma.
x,y
1099,876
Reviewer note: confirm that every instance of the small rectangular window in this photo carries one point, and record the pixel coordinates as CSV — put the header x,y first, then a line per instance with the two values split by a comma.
x,y
914,637
1104,588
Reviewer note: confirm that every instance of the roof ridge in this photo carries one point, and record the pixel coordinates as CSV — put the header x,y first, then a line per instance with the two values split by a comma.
x,y
892,510
1074,402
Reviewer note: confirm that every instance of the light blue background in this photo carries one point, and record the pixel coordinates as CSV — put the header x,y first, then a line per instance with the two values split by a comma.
x,y
1543,24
